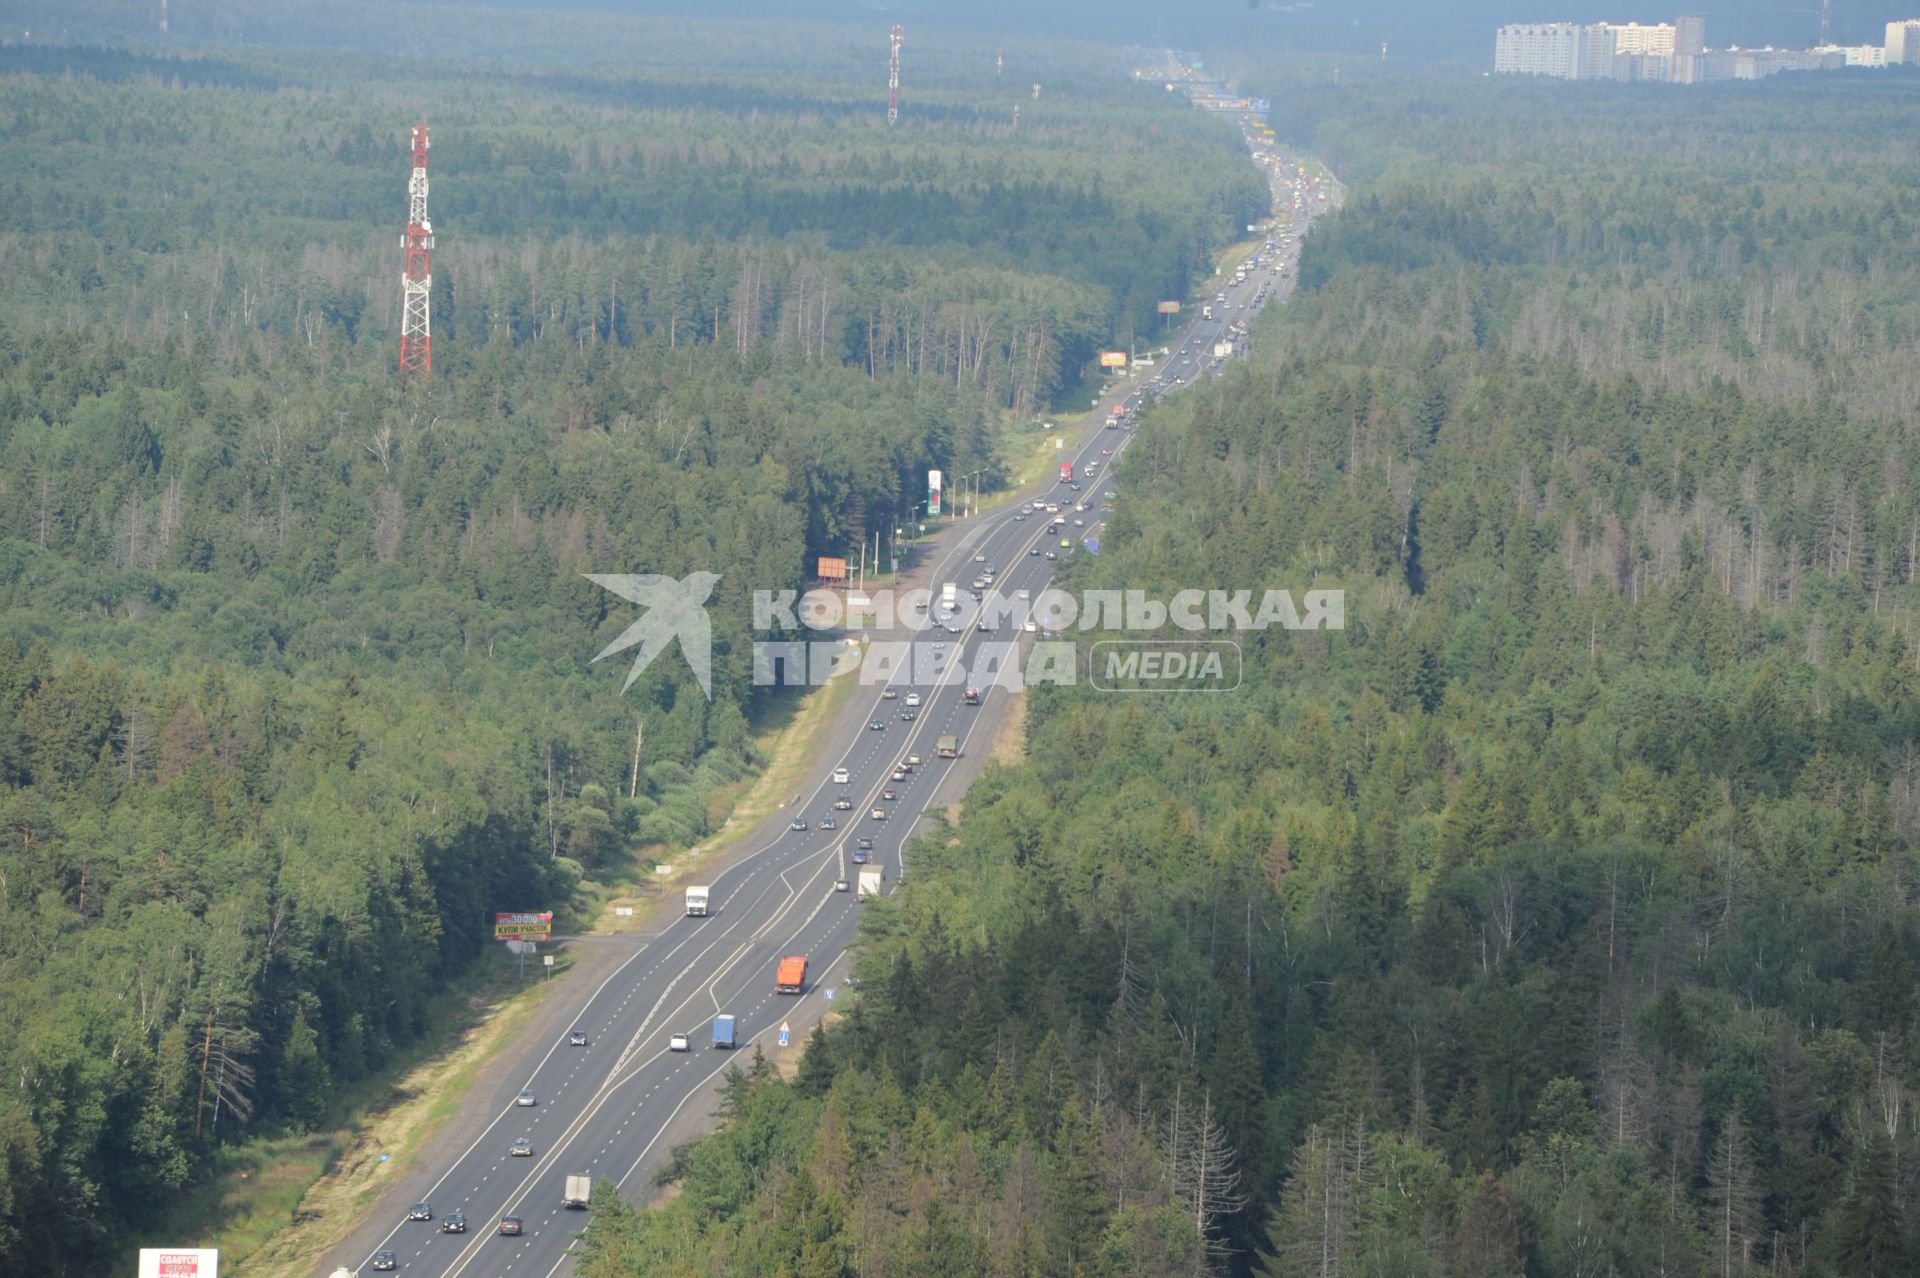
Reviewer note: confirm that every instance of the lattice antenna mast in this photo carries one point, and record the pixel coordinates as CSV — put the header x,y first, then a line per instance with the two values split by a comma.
x,y
416,329
893,75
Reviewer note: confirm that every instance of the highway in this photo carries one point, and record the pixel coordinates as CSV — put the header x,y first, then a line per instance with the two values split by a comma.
x,y
615,1107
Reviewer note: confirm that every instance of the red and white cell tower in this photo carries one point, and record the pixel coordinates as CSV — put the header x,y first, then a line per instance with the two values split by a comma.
x,y
893,76
416,329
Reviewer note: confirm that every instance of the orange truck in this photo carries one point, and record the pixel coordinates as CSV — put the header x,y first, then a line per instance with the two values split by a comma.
x,y
791,978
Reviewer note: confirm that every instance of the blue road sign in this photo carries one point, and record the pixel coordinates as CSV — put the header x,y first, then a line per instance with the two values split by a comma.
x,y
784,1031
829,994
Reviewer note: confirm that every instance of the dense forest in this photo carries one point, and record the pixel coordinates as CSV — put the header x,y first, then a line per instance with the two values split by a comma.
x,y
294,659
1558,916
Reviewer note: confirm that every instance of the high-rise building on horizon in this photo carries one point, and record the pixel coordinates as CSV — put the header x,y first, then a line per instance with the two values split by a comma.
x,y
1676,52
1689,37
1903,41
1539,48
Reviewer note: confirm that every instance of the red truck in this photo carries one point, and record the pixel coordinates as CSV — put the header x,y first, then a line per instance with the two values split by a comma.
x,y
791,978
1066,471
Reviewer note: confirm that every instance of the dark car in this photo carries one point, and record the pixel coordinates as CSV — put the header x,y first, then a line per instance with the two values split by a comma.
x,y
865,844
420,1211
799,823
860,855
876,726
828,823
888,795
455,1223
385,1260
908,716
577,1038
511,1225
522,1148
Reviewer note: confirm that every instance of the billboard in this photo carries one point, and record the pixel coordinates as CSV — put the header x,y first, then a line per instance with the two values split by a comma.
x,y
179,1262
522,927
1113,359
1170,308
832,569
933,492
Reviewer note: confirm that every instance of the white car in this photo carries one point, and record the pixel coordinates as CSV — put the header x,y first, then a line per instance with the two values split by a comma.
x,y
524,1098
913,698
841,776
1023,593
677,1043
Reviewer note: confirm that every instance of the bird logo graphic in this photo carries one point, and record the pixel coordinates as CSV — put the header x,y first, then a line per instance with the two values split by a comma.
x,y
674,609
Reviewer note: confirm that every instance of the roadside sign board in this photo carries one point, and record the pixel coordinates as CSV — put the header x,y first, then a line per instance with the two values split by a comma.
x,y
832,569
523,927
179,1262
1113,359
785,1030
1170,308
933,492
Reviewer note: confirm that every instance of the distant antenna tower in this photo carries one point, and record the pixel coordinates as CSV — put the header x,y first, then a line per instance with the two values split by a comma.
x,y
1826,20
1016,115
893,75
163,17
416,339
999,61
1383,50
1036,93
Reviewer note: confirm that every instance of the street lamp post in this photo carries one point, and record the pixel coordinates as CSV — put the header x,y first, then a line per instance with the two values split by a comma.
x,y
972,479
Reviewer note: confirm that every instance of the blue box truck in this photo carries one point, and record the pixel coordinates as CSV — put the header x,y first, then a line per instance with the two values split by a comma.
x,y
723,1031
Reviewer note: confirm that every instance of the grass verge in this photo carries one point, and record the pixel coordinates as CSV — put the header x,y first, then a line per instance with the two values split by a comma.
x,y
789,744
275,1205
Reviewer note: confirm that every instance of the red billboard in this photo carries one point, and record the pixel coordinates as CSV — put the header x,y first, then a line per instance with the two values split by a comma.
x,y
522,927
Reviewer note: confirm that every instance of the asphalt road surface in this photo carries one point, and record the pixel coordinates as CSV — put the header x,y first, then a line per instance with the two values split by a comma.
x,y
615,1107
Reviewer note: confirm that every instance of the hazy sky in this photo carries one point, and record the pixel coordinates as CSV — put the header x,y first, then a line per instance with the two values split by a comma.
x,y
1747,21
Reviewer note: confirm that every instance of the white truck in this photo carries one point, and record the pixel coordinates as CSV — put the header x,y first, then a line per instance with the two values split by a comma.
x,y
1222,350
947,592
871,881
579,1190
697,902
